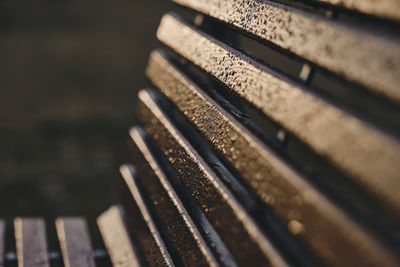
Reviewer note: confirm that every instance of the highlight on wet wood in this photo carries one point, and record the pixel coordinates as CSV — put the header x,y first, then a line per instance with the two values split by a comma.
x,y
359,55
247,153
75,243
31,242
269,135
300,175
115,234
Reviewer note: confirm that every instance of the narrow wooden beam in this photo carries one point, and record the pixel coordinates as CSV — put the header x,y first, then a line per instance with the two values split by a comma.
x,y
31,243
364,56
366,154
220,206
75,243
116,238
272,179
189,237
148,234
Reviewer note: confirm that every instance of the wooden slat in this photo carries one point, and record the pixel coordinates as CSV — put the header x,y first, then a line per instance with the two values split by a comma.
x,y
187,239
116,238
180,225
75,243
30,235
221,208
269,177
150,239
388,9
368,58
362,151
2,236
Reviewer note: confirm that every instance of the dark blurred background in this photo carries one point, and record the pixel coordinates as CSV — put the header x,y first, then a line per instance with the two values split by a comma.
x,y
69,71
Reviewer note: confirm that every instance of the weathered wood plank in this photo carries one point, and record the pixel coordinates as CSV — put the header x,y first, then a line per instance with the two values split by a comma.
x,y
2,237
368,58
75,243
116,238
359,149
180,225
269,177
146,230
388,9
221,208
191,246
31,243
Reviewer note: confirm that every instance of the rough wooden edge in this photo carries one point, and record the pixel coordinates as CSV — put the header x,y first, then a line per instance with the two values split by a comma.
x,y
137,137
75,244
31,243
116,238
231,206
316,216
127,173
387,9
363,152
364,57
2,240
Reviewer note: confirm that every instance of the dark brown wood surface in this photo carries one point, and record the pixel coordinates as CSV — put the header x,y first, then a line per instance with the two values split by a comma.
x,y
317,221
187,239
75,244
368,155
221,208
145,230
31,243
361,55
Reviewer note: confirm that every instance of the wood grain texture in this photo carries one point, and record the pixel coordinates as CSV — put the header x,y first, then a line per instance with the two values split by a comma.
x,y
367,58
116,238
324,227
388,9
128,175
191,246
2,238
368,155
75,243
31,243
221,208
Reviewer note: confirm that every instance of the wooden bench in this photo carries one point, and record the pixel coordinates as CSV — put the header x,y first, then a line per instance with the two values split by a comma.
x,y
270,138
242,159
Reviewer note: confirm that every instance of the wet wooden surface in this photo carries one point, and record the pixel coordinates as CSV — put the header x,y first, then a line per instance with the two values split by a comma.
x,y
312,218
187,239
361,150
143,225
221,208
361,55
31,243
75,243
116,238
387,9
